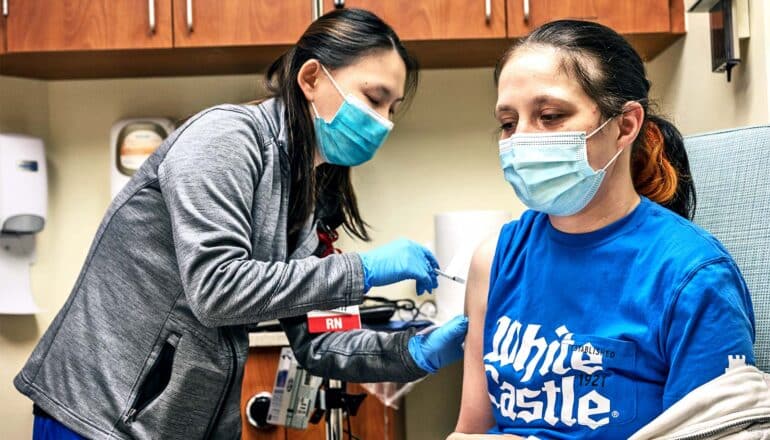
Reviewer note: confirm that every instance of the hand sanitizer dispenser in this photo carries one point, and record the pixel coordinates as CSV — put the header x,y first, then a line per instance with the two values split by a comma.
x,y
132,141
23,206
23,184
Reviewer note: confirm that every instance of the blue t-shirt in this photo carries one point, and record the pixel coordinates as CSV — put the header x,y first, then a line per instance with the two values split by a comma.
x,y
591,336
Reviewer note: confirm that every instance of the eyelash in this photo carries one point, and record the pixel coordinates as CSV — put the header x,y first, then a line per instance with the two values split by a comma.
x,y
551,117
548,119
508,126
373,101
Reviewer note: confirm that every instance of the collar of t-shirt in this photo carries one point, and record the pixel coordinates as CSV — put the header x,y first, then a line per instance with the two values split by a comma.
x,y
608,233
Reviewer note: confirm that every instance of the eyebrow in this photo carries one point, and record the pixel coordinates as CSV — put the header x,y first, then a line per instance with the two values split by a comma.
x,y
539,100
504,108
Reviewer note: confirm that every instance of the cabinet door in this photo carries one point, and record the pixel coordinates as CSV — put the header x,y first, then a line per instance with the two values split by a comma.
x,y
2,31
209,23
436,19
43,25
624,16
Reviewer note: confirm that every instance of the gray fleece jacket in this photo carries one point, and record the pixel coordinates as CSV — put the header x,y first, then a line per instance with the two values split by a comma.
x,y
151,342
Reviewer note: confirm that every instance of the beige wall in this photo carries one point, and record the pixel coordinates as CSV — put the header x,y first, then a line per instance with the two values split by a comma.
x,y
699,100
442,156
23,109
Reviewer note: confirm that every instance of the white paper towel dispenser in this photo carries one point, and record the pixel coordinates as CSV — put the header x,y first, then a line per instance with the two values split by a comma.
x,y
23,208
23,184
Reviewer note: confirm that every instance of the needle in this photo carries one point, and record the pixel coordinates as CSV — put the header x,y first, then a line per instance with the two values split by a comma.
x,y
451,277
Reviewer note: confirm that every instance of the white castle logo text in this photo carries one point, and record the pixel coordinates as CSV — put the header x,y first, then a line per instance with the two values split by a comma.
x,y
521,348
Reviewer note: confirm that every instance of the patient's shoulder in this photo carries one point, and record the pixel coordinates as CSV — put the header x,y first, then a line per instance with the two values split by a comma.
x,y
483,256
477,286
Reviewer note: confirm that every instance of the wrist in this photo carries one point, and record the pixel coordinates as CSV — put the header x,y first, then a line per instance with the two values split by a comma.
x,y
415,349
367,273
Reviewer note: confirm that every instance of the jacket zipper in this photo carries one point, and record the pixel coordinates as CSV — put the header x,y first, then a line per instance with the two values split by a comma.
x,y
228,387
728,426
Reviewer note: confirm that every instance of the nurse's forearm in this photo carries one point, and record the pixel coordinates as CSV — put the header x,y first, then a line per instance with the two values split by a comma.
x,y
235,292
355,356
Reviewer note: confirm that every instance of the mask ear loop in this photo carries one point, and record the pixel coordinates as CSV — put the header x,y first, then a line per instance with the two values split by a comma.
x,y
621,150
336,86
315,110
600,127
614,158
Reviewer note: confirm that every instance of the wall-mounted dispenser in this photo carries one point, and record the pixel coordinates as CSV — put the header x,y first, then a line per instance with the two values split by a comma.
x,y
23,209
728,24
132,141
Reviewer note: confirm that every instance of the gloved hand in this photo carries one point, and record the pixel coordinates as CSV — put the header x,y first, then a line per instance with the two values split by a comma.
x,y
437,347
398,261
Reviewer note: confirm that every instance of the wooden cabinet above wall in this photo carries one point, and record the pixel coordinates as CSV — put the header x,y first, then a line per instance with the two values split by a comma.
x,y
218,23
436,19
65,39
650,25
625,16
443,33
66,25
2,31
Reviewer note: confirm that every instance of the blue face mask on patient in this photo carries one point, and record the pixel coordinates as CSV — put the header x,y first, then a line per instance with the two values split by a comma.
x,y
550,171
355,132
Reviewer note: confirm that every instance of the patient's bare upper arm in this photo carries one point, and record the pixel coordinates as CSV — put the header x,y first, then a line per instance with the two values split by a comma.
x,y
475,410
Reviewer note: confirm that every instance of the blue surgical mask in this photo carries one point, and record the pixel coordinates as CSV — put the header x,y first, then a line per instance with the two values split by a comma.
x,y
550,171
354,134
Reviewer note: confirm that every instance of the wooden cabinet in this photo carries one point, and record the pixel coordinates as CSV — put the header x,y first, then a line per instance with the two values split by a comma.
x,y
42,26
2,31
373,422
624,16
68,39
436,19
206,23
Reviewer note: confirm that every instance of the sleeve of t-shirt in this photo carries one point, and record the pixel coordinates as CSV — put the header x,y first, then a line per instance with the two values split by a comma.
x,y
708,327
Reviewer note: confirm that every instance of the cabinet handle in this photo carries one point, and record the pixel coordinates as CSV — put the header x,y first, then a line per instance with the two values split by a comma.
x,y
488,10
526,11
339,4
5,8
189,16
315,9
151,7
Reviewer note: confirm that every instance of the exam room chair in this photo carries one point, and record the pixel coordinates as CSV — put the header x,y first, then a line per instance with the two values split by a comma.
x,y
731,171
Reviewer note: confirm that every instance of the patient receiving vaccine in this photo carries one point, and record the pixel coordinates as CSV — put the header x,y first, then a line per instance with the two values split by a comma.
x,y
603,305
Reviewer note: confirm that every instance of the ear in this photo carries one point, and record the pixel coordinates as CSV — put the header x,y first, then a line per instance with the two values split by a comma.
x,y
307,78
630,123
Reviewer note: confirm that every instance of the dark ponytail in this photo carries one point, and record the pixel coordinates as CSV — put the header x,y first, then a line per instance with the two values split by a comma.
x,y
612,73
660,168
337,39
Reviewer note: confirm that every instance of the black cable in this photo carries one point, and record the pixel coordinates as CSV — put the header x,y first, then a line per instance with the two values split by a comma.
x,y
349,431
351,436
407,305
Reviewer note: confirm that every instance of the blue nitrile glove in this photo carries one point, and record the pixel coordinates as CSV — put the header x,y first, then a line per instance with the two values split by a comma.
x,y
437,347
398,261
